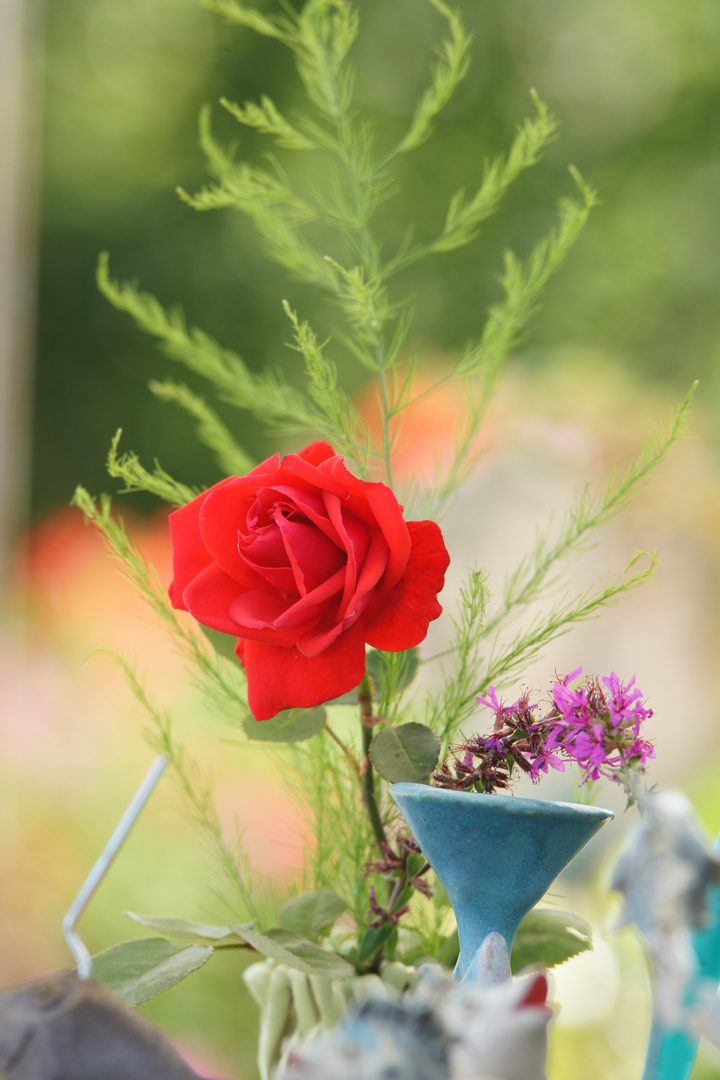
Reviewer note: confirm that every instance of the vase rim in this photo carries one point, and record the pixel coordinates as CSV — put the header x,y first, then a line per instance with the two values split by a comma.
x,y
523,804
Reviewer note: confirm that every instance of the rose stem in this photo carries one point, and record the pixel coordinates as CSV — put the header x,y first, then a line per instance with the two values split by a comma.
x,y
368,779
354,764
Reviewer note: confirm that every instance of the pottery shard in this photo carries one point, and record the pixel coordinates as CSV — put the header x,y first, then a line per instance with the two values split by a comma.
x,y
63,1028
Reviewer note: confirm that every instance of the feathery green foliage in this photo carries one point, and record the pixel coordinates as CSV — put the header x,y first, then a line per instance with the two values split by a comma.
x,y
135,476
266,119
325,233
508,661
246,894
230,456
340,420
268,396
447,74
222,681
536,574
327,788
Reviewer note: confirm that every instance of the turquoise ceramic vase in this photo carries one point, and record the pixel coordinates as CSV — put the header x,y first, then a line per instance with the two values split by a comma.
x,y
496,856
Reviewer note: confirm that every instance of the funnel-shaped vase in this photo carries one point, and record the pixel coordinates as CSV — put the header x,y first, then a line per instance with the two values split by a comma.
x,y
496,855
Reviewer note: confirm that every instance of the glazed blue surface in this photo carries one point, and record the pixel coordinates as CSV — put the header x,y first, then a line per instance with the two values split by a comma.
x,y
672,1050
496,855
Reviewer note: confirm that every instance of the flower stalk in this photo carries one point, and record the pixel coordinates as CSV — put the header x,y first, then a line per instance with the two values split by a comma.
x,y
365,693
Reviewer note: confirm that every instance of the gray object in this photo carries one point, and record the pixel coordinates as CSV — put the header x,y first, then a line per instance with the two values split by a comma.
x,y
65,1028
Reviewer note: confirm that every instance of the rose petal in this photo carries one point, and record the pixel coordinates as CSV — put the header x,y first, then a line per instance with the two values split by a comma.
x,y
208,598
295,470
313,556
257,608
281,678
399,619
190,555
317,640
312,506
386,512
269,465
254,611
264,552
224,515
355,539
317,452
373,567
327,630
314,604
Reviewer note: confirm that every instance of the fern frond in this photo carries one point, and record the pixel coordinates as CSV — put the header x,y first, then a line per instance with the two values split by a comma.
x,y
465,215
220,680
274,26
522,283
590,511
446,710
266,119
211,431
447,74
194,787
136,477
340,841
267,200
510,659
326,31
337,416
268,396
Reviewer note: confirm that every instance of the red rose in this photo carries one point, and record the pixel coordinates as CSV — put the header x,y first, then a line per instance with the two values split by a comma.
x,y
305,563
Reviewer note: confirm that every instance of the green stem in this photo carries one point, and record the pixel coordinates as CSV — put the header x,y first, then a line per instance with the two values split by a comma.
x,y
368,776
352,760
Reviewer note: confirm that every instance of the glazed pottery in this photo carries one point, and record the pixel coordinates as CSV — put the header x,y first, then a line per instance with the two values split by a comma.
x,y
672,1050
496,856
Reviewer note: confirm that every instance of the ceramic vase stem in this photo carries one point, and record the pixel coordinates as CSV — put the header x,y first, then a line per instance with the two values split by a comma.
x,y
496,856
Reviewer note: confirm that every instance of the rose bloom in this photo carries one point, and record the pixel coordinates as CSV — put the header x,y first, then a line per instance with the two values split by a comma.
x,y
305,564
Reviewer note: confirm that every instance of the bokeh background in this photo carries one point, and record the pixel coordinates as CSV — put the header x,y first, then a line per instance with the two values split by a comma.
x,y
99,124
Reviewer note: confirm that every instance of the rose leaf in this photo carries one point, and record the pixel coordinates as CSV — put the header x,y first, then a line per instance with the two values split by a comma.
x,y
549,938
185,929
290,725
311,913
297,952
139,969
405,753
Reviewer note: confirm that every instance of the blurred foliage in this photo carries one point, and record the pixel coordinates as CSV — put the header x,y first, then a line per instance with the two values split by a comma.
x,y
635,84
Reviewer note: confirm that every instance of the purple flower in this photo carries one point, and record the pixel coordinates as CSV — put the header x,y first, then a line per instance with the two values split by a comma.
x,y
597,725
491,700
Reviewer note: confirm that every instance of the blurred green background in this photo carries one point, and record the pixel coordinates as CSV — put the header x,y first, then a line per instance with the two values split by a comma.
x,y
635,84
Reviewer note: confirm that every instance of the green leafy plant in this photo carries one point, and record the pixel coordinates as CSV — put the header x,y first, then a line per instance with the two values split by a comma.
x,y
326,234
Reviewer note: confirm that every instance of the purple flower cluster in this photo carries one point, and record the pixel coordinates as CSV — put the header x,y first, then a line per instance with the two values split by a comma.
x,y
596,725
601,724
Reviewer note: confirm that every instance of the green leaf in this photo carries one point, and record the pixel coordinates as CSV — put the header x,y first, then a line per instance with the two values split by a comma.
x,y
290,725
311,913
297,952
222,643
184,928
405,753
549,938
392,672
450,950
349,698
415,863
374,939
139,969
